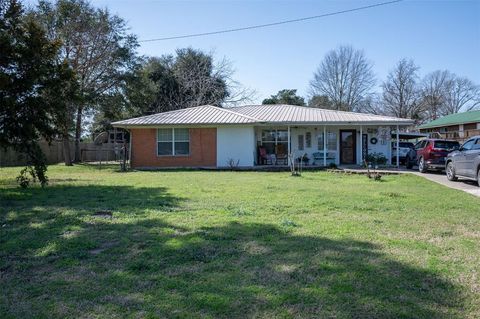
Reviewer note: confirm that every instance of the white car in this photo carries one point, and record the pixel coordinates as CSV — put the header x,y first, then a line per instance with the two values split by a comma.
x,y
404,147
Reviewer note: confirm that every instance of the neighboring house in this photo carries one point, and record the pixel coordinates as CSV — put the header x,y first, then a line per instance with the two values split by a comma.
x,y
459,126
209,136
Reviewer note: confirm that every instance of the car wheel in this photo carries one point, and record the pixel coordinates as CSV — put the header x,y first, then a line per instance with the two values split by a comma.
x,y
478,177
451,172
422,167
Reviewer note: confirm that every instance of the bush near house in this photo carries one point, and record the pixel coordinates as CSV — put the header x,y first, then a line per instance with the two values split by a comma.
x,y
183,244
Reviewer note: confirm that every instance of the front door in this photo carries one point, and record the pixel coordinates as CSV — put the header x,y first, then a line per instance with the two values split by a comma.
x,y
348,146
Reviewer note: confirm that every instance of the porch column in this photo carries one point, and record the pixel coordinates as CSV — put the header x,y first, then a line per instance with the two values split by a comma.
x,y
398,148
324,146
361,145
288,137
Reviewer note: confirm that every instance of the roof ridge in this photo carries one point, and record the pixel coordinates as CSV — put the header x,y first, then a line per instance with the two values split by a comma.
x,y
236,113
319,108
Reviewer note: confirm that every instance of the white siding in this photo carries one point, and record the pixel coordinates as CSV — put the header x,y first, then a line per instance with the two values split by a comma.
x,y
236,143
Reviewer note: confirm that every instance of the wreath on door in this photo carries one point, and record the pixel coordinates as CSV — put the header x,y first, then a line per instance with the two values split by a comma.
x,y
373,140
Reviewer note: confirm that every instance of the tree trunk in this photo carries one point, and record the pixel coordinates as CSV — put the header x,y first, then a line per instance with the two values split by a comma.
x,y
78,133
66,150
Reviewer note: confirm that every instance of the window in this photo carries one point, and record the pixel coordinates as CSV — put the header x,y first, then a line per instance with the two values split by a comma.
x,y
173,141
271,139
468,145
320,141
308,140
477,145
331,141
300,142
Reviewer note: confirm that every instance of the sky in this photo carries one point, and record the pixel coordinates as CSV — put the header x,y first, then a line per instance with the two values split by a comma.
x,y
435,34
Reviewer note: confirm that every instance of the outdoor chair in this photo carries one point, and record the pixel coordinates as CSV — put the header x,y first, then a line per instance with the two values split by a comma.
x,y
263,157
281,155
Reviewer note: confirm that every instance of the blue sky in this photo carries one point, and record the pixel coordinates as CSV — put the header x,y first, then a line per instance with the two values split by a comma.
x,y
436,34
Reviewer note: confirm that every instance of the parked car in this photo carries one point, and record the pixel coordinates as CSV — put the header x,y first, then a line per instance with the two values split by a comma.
x,y
431,154
465,162
404,147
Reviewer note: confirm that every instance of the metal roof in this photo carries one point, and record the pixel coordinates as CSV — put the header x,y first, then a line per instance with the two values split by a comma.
x,y
205,114
452,119
282,113
258,114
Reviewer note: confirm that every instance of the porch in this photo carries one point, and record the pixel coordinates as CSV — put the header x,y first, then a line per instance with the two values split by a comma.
x,y
321,145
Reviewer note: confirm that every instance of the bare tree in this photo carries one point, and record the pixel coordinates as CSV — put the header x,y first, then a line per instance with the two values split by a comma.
x,y
445,93
462,95
345,76
372,104
434,90
401,92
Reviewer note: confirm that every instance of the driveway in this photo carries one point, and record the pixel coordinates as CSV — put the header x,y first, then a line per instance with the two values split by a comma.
x,y
463,185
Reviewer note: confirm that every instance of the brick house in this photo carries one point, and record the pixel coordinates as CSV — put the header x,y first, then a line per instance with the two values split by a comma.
x,y
246,136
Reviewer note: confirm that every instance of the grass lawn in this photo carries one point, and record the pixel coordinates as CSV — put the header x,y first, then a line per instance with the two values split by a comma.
x,y
236,244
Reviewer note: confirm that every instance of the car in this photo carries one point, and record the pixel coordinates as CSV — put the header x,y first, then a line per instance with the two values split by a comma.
x,y
404,147
431,154
465,162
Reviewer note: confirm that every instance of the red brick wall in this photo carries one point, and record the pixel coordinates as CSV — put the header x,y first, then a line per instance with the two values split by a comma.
x,y
203,149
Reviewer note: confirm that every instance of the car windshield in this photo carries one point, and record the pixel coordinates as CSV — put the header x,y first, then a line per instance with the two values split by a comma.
x,y
447,145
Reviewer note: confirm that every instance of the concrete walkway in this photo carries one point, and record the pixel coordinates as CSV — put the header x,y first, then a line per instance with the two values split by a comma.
x,y
462,184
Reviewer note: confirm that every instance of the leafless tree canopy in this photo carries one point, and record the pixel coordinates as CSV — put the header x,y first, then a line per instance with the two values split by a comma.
x,y
345,77
401,92
434,90
445,93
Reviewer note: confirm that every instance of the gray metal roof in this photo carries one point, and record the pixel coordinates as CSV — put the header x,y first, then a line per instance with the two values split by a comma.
x,y
205,114
258,114
282,113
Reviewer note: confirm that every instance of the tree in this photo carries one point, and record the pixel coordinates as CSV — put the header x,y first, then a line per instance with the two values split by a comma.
x,y
320,101
345,77
463,95
96,45
445,93
32,88
434,91
372,104
286,96
401,91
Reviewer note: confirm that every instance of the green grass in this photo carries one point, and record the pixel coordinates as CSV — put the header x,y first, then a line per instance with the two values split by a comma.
x,y
202,244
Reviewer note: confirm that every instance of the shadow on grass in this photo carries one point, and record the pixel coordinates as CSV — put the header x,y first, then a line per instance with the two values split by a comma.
x,y
88,198
147,267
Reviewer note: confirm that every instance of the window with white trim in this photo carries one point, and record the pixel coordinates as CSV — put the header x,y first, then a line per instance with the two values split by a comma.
x,y
173,141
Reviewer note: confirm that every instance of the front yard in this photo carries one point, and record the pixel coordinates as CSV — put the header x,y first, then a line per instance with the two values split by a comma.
x,y
99,243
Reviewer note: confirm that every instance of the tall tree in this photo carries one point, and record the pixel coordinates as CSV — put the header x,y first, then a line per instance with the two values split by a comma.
x,y
32,88
286,96
401,91
463,95
345,76
97,46
434,88
320,101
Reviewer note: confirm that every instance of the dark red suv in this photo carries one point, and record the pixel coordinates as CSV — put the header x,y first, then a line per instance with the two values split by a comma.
x,y
431,153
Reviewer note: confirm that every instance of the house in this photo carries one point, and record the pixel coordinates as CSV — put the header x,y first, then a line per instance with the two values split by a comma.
x,y
245,136
459,126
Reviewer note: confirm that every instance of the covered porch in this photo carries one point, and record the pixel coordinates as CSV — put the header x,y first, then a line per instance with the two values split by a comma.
x,y
321,145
